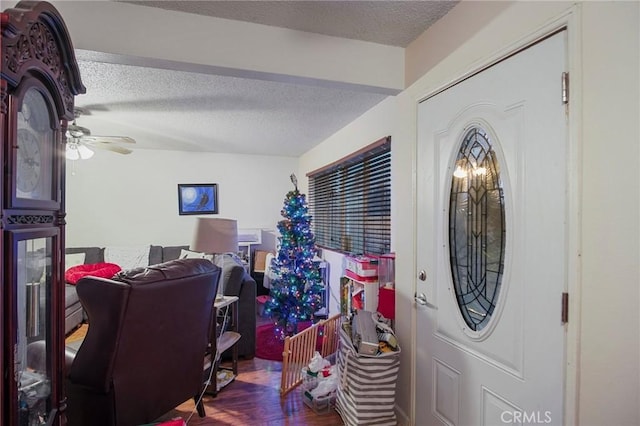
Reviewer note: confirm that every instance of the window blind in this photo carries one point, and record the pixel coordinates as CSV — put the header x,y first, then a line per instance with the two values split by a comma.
x,y
350,202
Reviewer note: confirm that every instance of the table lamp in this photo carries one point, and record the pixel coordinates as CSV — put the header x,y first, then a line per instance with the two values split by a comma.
x,y
216,236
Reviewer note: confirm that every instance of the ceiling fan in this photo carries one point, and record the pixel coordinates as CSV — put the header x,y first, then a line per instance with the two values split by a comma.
x,y
80,139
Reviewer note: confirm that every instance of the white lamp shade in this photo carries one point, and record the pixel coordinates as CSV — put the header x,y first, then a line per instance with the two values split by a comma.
x,y
85,153
215,235
72,152
77,151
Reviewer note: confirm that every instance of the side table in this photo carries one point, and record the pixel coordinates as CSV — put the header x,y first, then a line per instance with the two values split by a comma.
x,y
225,312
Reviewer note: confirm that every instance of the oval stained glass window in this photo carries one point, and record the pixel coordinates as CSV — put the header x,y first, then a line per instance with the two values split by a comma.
x,y
476,229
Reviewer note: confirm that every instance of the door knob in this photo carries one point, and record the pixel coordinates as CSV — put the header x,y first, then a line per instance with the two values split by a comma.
x,y
421,299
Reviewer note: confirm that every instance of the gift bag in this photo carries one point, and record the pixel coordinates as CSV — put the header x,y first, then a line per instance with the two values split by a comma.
x,y
367,385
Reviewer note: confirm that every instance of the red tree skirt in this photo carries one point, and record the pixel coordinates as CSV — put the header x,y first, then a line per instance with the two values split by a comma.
x,y
268,346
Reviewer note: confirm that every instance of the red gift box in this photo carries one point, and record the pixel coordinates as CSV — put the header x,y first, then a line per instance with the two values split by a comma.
x,y
387,302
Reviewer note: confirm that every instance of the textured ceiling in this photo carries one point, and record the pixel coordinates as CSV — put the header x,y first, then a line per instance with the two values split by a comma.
x,y
179,110
165,109
394,23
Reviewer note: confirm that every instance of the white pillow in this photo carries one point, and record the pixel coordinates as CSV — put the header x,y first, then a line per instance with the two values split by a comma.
x,y
73,259
188,254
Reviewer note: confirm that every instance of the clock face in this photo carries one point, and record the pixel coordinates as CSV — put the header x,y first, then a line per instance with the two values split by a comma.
x,y
34,142
29,161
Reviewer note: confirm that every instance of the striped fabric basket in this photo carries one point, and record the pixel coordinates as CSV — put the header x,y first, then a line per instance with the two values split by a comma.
x,y
366,394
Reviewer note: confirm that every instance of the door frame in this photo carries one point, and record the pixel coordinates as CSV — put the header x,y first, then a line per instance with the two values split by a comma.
x,y
570,21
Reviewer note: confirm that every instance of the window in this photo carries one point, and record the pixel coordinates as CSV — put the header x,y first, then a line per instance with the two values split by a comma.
x,y
350,201
477,230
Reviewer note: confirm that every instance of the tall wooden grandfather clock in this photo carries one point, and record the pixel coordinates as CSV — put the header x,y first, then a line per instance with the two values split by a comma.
x,y
39,79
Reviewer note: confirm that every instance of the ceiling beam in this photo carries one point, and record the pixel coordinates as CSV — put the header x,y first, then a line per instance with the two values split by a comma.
x,y
138,35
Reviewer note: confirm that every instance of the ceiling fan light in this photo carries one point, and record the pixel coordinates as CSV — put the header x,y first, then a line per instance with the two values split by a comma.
x,y
72,152
84,152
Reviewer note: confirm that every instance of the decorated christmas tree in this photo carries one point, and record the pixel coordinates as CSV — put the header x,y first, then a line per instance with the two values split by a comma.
x,y
296,289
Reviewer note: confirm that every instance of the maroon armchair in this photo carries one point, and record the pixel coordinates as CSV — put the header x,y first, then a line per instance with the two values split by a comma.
x,y
144,350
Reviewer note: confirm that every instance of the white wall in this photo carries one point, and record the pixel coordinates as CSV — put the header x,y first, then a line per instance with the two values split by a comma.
x,y
607,388
133,199
610,339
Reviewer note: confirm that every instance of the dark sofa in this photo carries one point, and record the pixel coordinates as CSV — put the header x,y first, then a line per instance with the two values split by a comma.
x,y
235,279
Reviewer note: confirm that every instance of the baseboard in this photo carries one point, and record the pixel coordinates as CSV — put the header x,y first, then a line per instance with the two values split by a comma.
x,y
403,419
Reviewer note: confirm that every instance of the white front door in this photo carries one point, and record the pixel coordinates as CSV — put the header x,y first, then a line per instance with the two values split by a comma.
x,y
491,245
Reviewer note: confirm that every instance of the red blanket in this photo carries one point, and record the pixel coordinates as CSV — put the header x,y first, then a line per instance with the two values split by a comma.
x,y
102,270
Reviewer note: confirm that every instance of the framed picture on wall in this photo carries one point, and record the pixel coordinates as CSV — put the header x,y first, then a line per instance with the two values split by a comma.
x,y
198,198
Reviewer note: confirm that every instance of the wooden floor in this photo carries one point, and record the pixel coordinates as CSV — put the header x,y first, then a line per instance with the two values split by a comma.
x,y
252,399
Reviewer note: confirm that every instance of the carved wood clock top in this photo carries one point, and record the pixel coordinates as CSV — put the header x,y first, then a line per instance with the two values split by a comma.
x,y
35,36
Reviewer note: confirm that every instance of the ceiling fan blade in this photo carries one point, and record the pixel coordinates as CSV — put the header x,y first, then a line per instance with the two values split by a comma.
x,y
108,139
78,131
81,136
109,146
88,109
